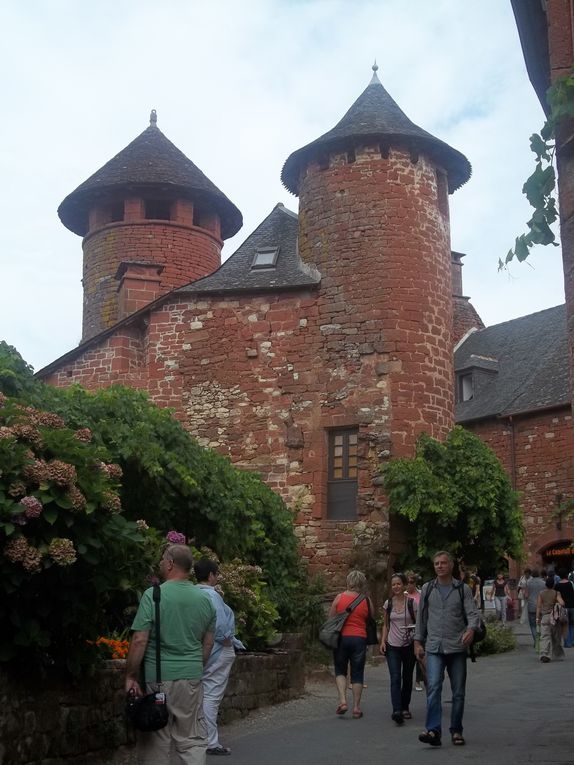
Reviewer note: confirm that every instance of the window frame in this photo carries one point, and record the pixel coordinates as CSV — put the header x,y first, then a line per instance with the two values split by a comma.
x,y
264,251
344,488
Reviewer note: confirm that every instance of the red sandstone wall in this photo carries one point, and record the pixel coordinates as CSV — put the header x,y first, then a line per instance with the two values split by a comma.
x,y
375,230
186,252
543,469
465,318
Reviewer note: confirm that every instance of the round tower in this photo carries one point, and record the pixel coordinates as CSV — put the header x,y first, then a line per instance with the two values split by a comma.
x,y
151,221
374,220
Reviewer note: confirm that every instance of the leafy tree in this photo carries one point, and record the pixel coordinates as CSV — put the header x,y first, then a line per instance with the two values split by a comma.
x,y
455,495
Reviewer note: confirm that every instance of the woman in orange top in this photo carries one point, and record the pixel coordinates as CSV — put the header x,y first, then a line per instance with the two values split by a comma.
x,y
352,648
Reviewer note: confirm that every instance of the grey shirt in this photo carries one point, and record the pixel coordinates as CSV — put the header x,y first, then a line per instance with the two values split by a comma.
x,y
441,625
535,586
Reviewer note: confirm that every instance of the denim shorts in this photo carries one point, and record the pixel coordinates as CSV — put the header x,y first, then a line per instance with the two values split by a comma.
x,y
351,650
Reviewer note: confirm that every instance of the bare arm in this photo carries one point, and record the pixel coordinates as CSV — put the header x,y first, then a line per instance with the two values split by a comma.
x,y
559,599
334,604
385,633
207,645
136,652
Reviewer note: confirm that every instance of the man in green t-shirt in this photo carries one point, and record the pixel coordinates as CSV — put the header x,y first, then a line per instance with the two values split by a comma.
x,y
187,626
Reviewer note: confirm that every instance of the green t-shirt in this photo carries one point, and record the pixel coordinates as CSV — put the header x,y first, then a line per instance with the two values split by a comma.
x,y
186,614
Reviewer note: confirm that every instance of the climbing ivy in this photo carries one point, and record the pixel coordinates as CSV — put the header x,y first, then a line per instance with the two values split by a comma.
x,y
540,187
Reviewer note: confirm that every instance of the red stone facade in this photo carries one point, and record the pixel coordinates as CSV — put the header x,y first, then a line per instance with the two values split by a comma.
x,y
537,451
183,251
264,378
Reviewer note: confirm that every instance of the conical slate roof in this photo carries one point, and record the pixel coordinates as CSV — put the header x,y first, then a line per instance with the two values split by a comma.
x,y
375,115
151,162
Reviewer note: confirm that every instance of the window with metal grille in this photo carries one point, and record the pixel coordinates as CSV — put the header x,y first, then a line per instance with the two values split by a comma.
x,y
342,474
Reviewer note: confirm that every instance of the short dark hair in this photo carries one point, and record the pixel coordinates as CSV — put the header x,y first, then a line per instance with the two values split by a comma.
x,y
563,573
535,573
550,582
204,567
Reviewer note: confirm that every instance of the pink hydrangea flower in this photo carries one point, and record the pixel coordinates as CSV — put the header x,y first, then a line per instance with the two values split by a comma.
x,y
175,538
32,507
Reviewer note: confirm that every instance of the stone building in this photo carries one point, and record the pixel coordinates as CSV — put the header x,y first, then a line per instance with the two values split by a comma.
x,y
322,347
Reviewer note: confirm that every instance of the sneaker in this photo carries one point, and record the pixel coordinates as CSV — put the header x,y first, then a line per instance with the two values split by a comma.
x,y
398,718
220,750
418,687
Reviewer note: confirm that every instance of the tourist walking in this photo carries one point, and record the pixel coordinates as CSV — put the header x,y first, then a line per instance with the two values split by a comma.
x,y
187,625
352,648
446,621
534,587
397,645
500,594
566,589
218,666
550,634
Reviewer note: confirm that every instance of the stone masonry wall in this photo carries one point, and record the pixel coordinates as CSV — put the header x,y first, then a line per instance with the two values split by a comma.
x,y
376,226
56,723
186,252
542,470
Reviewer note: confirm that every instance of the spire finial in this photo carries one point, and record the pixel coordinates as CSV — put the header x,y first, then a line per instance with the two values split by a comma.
x,y
374,78
375,66
153,118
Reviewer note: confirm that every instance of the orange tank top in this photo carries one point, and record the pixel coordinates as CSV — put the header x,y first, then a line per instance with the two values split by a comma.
x,y
355,626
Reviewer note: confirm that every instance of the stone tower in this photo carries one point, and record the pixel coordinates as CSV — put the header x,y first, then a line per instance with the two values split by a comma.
x,y
151,221
374,220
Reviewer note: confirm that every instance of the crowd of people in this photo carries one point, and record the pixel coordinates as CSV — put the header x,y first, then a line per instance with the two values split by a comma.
x,y
431,631
426,632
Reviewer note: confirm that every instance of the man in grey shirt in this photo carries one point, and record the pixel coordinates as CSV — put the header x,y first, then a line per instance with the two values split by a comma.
x,y
534,587
446,620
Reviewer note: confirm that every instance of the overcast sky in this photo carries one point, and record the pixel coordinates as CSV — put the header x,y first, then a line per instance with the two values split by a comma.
x,y
238,86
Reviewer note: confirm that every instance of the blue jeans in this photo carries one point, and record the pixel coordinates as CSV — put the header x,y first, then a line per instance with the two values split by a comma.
x,y
400,662
351,650
455,665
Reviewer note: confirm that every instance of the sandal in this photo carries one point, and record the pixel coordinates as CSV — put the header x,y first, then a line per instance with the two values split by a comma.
x,y
431,737
357,714
407,715
341,709
458,739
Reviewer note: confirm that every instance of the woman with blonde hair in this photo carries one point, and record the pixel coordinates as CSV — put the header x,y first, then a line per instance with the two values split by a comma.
x,y
352,648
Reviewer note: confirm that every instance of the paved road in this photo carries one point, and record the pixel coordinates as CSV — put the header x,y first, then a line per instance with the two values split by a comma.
x,y
518,711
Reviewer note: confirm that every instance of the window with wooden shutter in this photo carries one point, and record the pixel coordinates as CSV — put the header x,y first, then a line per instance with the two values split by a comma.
x,y
342,474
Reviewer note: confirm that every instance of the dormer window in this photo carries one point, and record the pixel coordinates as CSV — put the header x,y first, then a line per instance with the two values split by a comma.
x,y
265,257
464,387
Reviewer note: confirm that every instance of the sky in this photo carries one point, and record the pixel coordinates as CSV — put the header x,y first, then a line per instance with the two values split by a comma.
x,y
237,87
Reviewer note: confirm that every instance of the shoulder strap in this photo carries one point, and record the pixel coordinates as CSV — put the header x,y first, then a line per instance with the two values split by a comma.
x,y
430,586
351,607
411,607
389,606
461,593
156,600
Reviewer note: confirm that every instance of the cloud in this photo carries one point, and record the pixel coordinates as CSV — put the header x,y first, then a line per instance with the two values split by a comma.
x,y
238,87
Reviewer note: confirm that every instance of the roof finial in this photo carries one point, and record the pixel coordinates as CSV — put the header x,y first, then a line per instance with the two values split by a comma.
x,y
374,78
153,118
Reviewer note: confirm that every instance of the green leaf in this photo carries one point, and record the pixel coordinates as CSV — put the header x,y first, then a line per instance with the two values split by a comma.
x,y
50,514
9,529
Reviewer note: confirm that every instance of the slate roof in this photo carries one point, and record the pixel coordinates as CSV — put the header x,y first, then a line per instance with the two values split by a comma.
x,y
279,229
533,365
150,162
377,116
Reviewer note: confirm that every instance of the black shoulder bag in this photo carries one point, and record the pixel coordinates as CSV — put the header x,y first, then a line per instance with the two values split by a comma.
x,y
148,713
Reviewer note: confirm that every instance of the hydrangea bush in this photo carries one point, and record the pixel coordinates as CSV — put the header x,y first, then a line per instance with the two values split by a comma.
x,y
68,558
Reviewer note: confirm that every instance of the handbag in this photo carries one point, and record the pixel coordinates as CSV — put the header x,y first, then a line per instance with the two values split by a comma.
x,y
330,631
558,615
148,713
371,625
